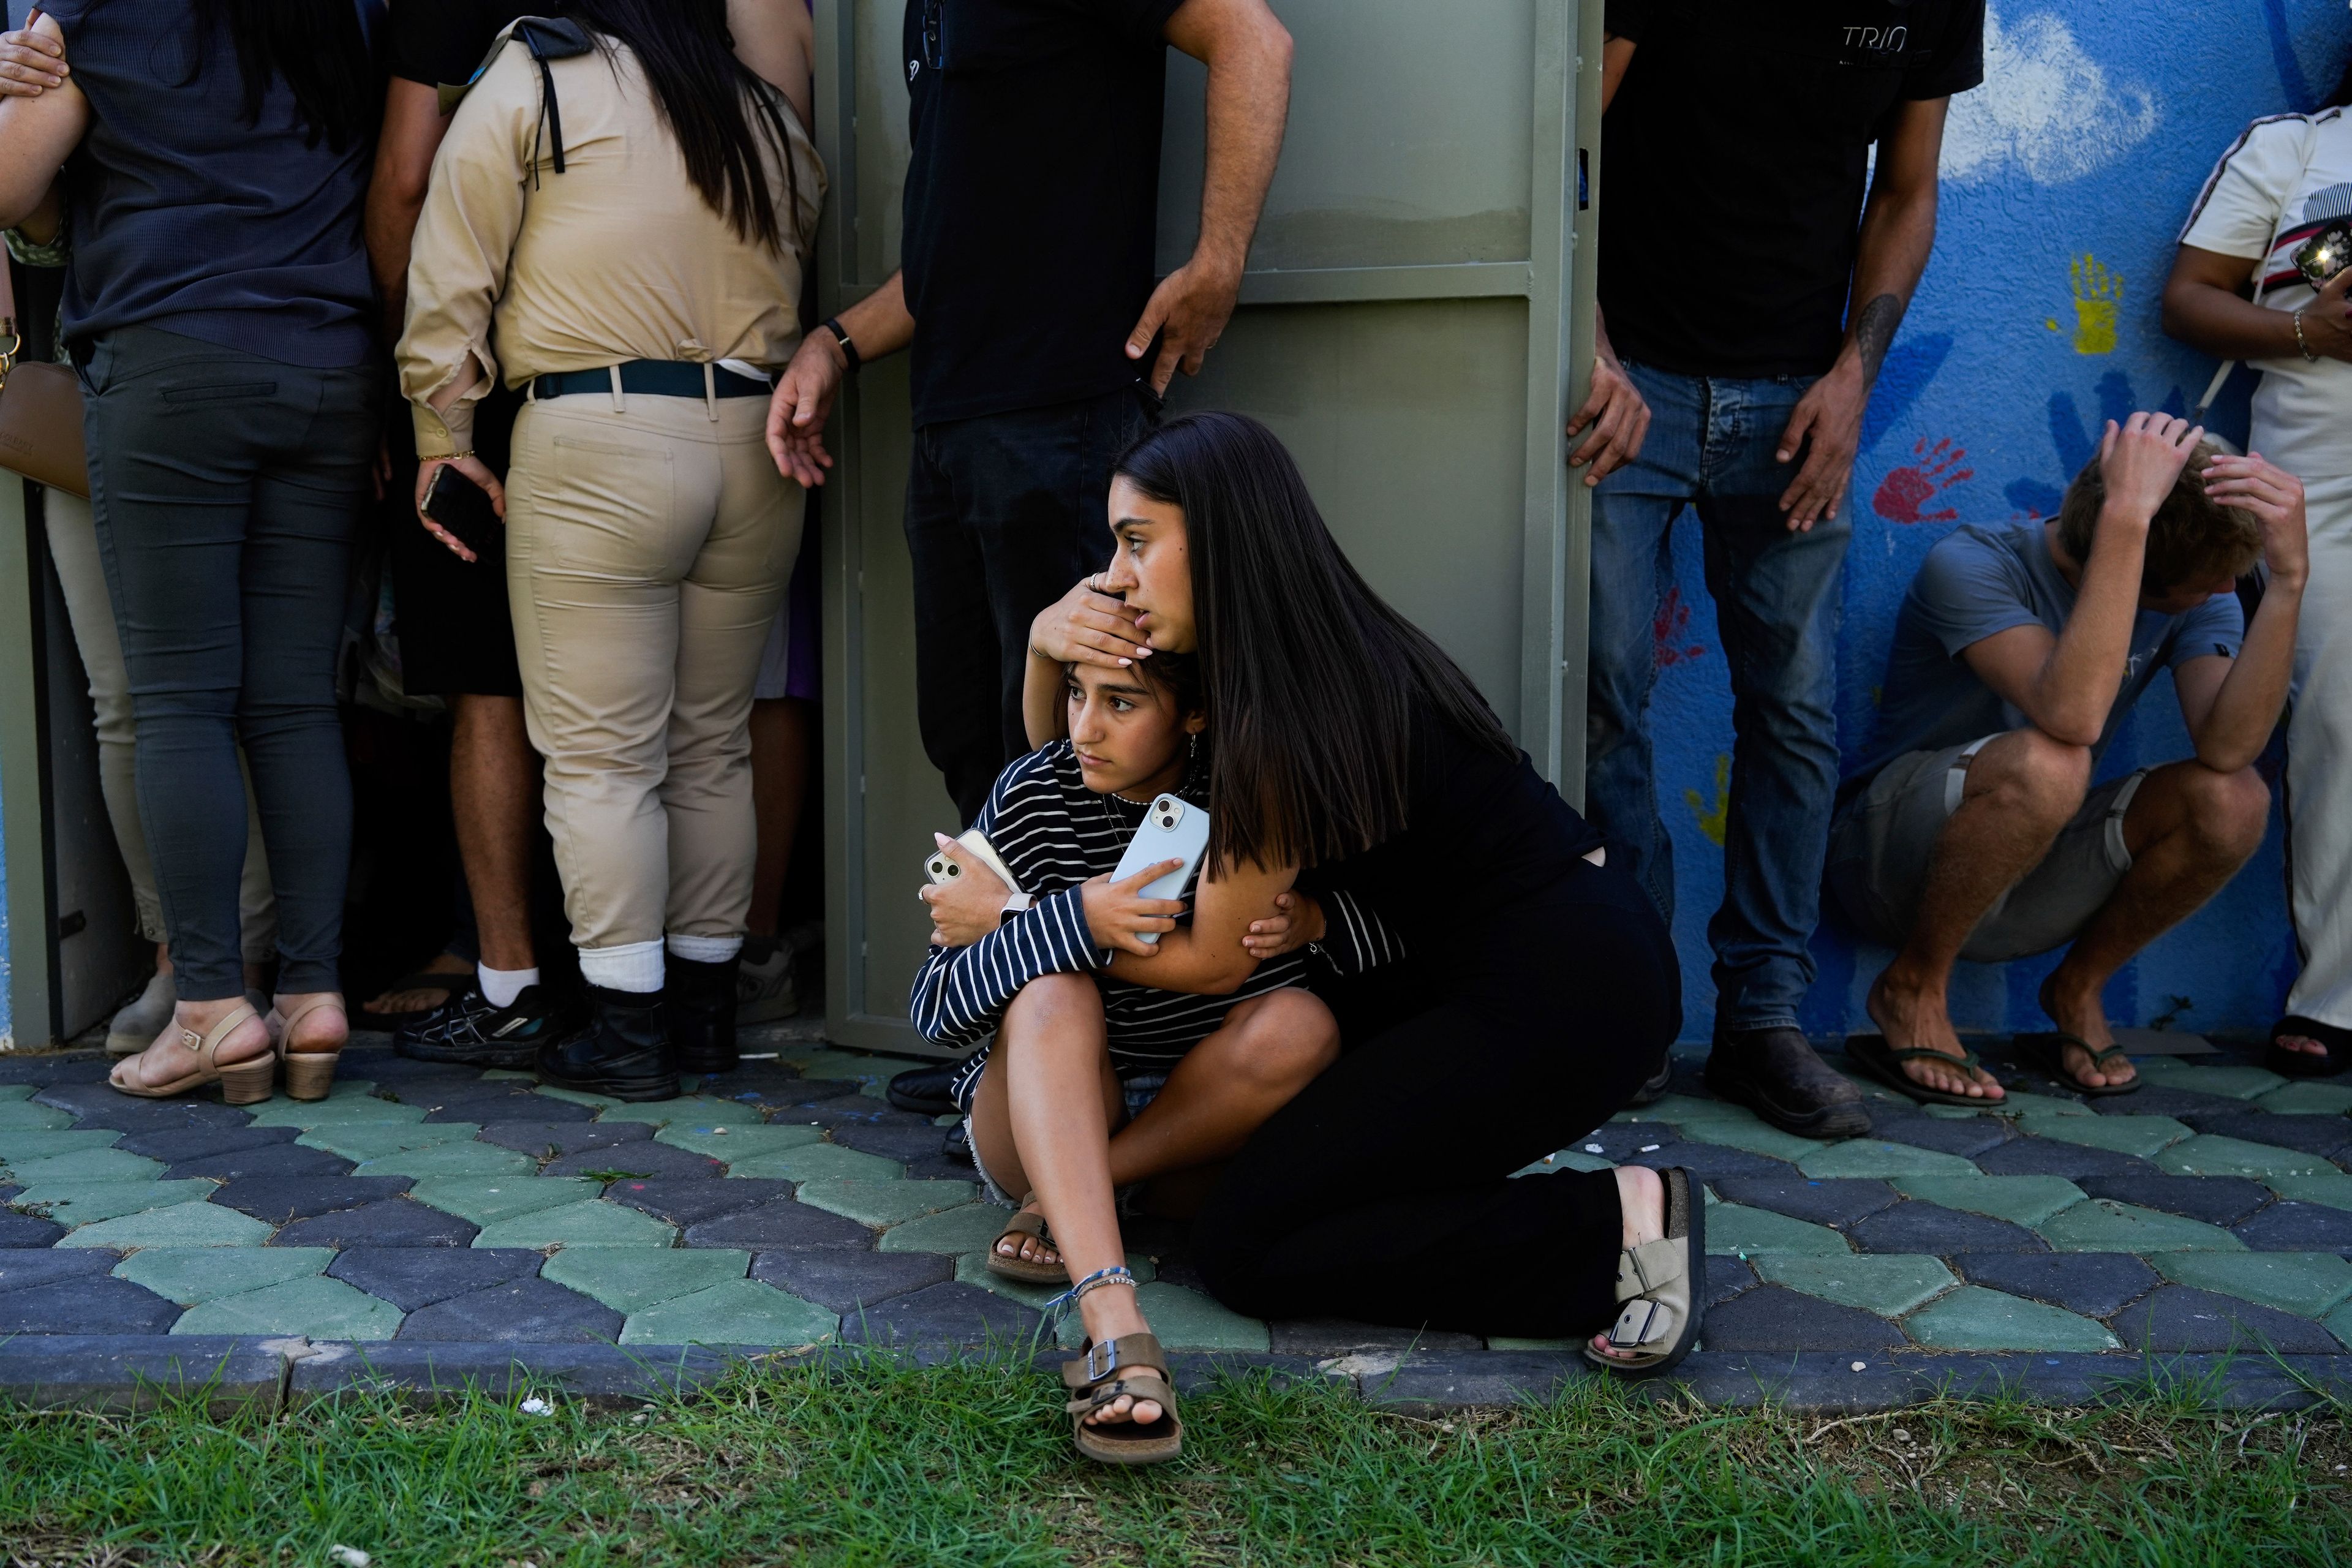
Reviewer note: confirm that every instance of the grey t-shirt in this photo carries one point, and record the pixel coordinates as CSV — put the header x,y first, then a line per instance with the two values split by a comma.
x,y
1980,580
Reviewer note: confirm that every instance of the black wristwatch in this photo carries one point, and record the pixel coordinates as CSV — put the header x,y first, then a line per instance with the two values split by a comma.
x,y
841,335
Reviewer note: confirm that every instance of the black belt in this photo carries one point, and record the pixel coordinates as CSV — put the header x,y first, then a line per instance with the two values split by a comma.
x,y
655,377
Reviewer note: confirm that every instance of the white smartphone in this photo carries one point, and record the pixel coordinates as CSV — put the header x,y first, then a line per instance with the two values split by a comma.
x,y
1172,829
942,870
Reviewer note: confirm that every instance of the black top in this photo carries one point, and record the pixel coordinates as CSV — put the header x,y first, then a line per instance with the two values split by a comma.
x,y
186,217
1032,196
1736,147
440,42
1487,840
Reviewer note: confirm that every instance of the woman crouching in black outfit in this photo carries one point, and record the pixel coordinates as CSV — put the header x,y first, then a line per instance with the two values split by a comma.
x,y
1543,988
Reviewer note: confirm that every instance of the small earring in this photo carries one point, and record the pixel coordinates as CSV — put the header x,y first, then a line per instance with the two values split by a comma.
x,y
1192,747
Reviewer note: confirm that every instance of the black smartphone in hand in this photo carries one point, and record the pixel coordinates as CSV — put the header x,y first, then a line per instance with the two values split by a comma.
x,y
463,508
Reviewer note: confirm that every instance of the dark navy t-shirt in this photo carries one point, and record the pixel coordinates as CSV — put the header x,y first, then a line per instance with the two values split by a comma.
x,y
185,216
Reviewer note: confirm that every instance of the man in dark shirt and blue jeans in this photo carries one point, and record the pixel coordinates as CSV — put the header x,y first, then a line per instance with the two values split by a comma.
x,y
1030,205
1753,270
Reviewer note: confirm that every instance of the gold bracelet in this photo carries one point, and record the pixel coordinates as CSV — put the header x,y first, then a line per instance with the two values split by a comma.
x,y
452,457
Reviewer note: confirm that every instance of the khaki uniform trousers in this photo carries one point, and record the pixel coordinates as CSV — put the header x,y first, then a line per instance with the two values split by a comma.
x,y
648,543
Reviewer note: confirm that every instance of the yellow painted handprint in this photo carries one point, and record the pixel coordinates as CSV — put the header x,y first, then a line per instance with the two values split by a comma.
x,y
2099,294
1712,818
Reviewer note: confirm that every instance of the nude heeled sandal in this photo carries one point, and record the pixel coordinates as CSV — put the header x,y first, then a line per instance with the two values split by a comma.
x,y
242,1083
309,1075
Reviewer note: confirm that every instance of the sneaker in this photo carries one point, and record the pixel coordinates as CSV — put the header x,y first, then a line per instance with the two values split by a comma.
x,y
769,989
134,1028
468,1029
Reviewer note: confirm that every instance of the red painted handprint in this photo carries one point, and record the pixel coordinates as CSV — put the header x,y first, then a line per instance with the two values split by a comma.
x,y
1668,629
1903,492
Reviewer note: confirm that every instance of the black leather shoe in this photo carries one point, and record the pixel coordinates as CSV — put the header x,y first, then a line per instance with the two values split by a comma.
x,y
625,1051
1777,1074
1654,1089
702,999
957,1146
924,1091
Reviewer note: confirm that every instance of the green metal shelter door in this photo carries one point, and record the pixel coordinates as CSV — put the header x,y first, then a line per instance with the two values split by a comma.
x,y
1415,322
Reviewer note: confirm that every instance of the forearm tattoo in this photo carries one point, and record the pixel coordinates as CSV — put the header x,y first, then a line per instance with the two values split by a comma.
x,y
1873,333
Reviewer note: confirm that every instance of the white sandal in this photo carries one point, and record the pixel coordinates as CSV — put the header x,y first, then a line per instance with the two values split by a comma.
x,y
1662,1284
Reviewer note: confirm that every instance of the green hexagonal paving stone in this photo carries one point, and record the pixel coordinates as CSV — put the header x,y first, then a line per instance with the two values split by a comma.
x,y
2145,1136
182,1225
1187,1320
2016,1102
968,1229
374,1140
25,1145
2237,1082
1683,1109
971,1269
817,1161
1737,1230
2020,1200
2339,1323
23,1116
80,1203
317,1309
690,1109
1753,1137
450,1160
631,1278
1876,1159
484,1200
1974,1318
885,1203
336,1110
2208,1155
593,1223
19,1090
2305,1097
579,1096
1889,1284
743,1140
1565,1160
2333,1188
2104,1225
738,1312
190,1275
87,1165
2308,1284
840,1066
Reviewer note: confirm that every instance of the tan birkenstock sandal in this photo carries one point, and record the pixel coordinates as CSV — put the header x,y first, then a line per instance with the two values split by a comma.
x,y
309,1075
1131,1366
242,1083
1025,1225
1662,1284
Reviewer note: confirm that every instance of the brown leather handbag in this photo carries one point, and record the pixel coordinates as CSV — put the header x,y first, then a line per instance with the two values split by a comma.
x,y
40,409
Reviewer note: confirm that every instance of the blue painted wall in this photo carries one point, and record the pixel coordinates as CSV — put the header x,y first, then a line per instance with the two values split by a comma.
x,y
2066,178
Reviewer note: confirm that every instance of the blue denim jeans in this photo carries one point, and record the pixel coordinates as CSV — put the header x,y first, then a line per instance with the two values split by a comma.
x,y
1710,447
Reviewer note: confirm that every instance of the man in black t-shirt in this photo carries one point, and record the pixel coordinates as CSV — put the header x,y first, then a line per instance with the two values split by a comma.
x,y
1753,269
1026,293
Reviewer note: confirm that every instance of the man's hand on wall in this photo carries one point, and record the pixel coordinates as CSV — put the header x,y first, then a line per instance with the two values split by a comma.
x,y
1188,313
1827,428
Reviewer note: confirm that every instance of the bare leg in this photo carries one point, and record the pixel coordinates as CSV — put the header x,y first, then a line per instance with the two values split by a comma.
x,y
2021,789
784,731
1226,1086
2189,829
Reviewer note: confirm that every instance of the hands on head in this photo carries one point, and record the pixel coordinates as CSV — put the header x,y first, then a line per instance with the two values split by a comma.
x,y
2275,498
2139,462
1086,625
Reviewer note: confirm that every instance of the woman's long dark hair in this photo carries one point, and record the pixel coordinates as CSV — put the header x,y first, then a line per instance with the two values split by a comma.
x,y
702,91
1310,678
316,46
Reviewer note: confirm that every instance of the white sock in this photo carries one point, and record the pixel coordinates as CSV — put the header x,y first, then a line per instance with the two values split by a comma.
x,y
632,966
705,949
501,986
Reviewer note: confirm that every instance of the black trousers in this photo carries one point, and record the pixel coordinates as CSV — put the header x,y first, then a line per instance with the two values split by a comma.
x,y
1382,1193
228,488
1004,513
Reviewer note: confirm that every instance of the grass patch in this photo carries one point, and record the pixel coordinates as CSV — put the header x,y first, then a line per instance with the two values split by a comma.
x,y
880,1464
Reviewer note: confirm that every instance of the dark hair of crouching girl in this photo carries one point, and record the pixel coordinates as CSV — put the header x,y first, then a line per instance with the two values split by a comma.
x,y
1539,988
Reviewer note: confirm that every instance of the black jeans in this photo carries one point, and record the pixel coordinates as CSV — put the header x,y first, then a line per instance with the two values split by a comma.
x,y
1383,1193
227,487
1004,512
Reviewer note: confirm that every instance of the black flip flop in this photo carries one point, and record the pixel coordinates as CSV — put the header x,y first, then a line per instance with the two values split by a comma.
x,y
2303,1064
1882,1061
2047,1051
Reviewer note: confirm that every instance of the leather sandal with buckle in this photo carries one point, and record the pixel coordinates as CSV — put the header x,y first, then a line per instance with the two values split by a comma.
x,y
1025,1225
309,1075
1107,1373
1660,1283
242,1083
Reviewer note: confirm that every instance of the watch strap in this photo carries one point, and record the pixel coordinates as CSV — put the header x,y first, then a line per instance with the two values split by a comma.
x,y
841,335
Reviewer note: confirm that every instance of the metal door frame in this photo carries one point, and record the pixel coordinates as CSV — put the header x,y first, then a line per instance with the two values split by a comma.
x,y
1563,216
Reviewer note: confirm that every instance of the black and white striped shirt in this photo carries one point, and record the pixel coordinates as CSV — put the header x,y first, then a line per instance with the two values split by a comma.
x,y
1054,833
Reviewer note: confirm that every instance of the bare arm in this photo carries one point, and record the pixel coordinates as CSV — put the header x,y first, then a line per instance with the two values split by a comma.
x,y
1045,699
777,39
2206,307
1248,52
1616,54
1207,958
2232,705
1899,230
412,128
36,134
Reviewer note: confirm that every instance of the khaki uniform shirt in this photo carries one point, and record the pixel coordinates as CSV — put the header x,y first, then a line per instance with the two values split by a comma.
x,y
618,257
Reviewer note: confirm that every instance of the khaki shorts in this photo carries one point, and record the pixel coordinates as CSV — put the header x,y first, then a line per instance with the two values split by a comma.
x,y
1880,845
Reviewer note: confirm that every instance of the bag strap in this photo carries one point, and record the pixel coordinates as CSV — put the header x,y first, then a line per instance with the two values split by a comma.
x,y
10,326
2261,269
